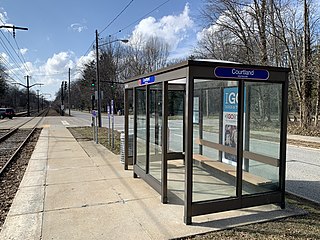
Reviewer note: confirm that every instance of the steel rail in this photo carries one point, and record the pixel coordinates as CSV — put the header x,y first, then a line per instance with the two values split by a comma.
x,y
13,130
13,156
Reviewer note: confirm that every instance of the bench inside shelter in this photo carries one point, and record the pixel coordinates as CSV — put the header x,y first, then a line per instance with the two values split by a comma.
x,y
231,170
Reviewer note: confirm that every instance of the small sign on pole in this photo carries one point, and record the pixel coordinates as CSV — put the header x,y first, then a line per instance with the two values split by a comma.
x,y
94,125
108,111
94,113
112,119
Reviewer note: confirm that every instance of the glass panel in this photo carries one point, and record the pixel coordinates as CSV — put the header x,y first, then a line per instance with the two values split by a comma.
x,y
262,137
130,124
175,120
141,127
215,137
176,98
155,131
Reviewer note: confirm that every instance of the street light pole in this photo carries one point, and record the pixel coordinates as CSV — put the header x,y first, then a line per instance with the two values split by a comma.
x,y
98,80
98,76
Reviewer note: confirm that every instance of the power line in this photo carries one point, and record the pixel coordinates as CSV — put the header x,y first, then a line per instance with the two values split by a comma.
x,y
156,8
91,47
49,75
8,66
22,60
9,53
92,44
117,16
159,6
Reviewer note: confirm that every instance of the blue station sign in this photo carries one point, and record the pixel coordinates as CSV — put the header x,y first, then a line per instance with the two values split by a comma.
x,y
241,73
147,80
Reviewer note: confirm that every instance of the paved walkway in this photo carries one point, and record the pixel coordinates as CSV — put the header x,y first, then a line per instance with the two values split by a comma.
x,y
304,138
75,190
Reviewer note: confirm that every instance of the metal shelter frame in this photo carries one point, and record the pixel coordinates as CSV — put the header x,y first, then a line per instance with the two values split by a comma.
x,y
186,77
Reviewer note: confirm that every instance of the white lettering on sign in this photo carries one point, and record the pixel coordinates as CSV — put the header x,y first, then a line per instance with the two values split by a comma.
x,y
231,98
242,72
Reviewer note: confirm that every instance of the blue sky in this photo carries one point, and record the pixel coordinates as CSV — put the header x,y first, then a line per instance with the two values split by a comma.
x,y
61,32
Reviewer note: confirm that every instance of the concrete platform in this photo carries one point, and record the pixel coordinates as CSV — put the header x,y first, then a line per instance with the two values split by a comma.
x,y
77,190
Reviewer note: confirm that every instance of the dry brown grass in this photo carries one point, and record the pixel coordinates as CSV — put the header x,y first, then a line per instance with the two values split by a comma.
x,y
86,134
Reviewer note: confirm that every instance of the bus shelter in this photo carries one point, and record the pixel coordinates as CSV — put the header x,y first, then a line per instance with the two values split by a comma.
x,y
209,135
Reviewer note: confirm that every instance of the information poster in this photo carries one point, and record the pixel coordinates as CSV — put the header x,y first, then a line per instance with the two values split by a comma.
x,y
196,109
230,123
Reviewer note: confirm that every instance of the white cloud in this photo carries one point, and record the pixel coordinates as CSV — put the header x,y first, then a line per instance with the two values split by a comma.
x,y
172,29
23,51
4,20
3,16
58,63
4,57
55,70
78,27
81,62
85,59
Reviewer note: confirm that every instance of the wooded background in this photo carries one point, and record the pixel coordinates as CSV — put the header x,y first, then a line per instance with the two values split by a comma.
x,y
283,33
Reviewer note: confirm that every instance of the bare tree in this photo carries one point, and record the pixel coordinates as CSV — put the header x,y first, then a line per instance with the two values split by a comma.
x,y
316,70
146,55
156,53
306,85
270,32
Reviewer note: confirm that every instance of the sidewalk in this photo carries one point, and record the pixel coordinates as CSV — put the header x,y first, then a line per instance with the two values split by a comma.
x,y
304,138
75,190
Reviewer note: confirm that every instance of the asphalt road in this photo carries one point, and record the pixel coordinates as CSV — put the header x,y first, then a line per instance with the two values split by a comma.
x,y
303,164
303,172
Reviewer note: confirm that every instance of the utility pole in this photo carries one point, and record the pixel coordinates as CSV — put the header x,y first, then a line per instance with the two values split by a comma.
x,y
69,94
98,76
28,97
14,29
28,86
98,80
38,100
62,98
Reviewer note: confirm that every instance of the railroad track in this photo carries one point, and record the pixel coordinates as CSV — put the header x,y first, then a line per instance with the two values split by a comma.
x,y
12,141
